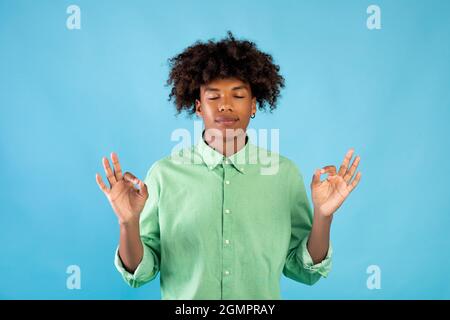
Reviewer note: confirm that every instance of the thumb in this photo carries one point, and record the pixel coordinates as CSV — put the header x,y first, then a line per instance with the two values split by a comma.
x,y
128,176
316,177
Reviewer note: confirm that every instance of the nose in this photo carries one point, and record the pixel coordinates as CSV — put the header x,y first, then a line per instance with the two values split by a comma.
x,y
225,106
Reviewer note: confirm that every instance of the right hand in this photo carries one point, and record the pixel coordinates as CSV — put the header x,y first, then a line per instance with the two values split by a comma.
x,y
126,201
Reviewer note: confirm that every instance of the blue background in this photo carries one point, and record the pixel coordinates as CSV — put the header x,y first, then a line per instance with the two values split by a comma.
x,y
69,97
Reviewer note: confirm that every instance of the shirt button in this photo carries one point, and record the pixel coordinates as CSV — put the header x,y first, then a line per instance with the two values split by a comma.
x,y
226,161
227,272
227,211
227,241
227,181
242,169
211,167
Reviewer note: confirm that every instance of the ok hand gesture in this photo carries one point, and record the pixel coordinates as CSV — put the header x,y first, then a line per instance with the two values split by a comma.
x,y
126,201
328,195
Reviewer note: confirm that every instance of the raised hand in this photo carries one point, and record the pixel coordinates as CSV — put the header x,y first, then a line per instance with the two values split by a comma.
x,y
126,200
328,195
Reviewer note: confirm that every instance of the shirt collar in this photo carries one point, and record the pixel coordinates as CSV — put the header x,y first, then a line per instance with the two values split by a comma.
x,y
240,160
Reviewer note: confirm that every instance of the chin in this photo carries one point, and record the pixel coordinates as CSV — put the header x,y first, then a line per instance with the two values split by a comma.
x,y
227,133
232,133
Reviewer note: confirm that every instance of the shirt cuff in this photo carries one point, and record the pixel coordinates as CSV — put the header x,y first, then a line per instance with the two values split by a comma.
x,y
323,267
142,272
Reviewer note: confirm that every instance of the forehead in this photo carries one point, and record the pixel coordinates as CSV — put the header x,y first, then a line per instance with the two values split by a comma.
x,y
225,84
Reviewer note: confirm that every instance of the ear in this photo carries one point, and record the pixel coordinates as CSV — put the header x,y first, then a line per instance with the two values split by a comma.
x,y
198,108
253,105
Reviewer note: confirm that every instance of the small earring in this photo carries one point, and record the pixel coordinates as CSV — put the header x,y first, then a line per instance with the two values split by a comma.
x,y
253,116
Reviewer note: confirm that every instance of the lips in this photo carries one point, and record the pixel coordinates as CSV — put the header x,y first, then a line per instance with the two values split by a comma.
x,y
226,119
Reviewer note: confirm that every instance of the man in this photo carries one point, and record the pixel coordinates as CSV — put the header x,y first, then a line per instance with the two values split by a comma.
x,y
215,226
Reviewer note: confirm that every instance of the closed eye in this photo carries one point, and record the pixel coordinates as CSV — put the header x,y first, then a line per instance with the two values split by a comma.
x,y
218,98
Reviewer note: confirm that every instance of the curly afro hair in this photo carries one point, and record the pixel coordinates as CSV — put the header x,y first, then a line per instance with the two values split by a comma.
x,y
202,63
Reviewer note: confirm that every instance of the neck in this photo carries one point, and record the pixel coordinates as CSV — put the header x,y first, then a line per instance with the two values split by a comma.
x,y
226,146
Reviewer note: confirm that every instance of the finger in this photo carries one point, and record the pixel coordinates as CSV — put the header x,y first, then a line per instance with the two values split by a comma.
x,y
348,176
116,165
101,184
143,189
316,177
354,182
331,170
344,165
131,178
109,174
142,186
128,176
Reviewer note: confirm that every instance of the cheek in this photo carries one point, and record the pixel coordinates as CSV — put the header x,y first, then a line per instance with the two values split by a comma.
x,y
208,114
245,108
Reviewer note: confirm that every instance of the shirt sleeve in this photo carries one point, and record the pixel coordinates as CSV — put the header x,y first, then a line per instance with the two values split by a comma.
x,y
149,266
299,265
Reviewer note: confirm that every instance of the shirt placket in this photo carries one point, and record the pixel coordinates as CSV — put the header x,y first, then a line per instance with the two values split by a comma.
x,y
227,239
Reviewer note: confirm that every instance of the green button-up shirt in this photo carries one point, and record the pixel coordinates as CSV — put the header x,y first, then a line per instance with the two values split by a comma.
x,y
220,227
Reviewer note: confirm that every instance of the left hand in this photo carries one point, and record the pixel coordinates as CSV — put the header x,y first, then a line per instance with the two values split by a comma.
x,y
328,195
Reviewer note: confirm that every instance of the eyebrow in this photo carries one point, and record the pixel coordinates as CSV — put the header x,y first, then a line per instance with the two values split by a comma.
x,y
234,88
